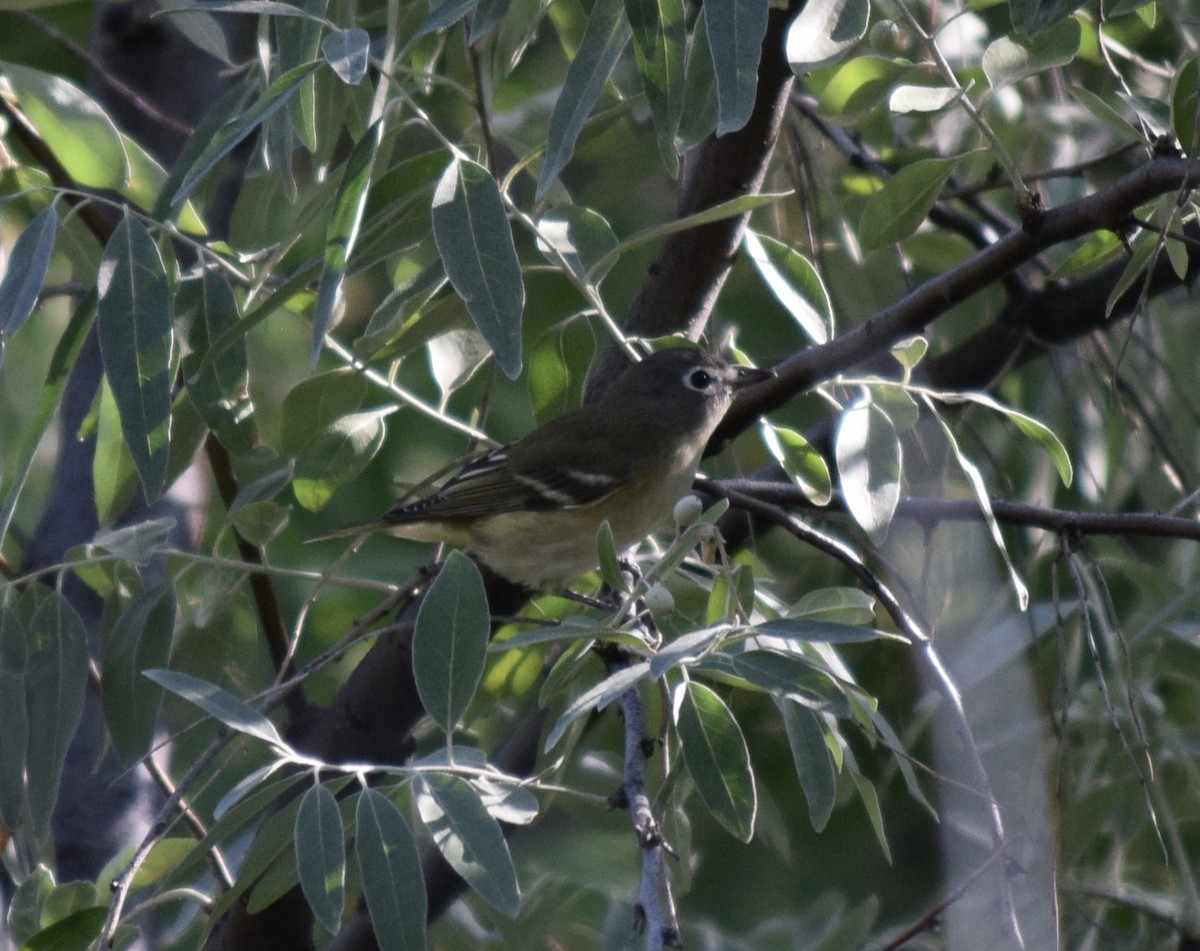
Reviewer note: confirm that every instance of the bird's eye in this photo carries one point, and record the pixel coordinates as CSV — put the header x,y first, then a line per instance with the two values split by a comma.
x,y
699,380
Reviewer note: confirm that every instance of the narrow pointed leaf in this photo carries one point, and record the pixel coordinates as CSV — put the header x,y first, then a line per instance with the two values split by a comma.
x,y
136,339
469,838
26,271
229,135
342,233
898,209
234,713
321,856
735,30
979,487
803,463
597,698
140,640
814,765
69,344
717,759
393,884
475,241
794,282
581,238
55,680
604,37
14,737
660,44
219,389
450,640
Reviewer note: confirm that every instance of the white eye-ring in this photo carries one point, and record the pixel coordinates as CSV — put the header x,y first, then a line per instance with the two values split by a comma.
x,y
699,380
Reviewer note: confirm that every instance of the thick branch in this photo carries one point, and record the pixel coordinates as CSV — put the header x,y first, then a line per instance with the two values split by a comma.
x,y
912,313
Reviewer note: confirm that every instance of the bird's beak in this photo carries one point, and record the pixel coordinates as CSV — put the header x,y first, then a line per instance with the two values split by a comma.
x,y
748,376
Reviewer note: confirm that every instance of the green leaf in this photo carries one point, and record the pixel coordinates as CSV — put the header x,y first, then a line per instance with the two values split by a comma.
x,y
1032,428
444,14
347,53
136,543
476,244
136,339
716,756
25,909
1099,108
742,205
1185,88
14,738
26,271
814,765
735,30
979,487
870,801
55,681
659,44
35,426
450,640
469,838
77,930
74,126
583,239
314,404
869,458
922,99
1013,58
898,209
219,389
794,282
114,475
1135,271
597,697
340,236
814,629
610,566
243,124
487,14
234,713
605,36
336,455
141,639
320,856
699,116
803,464
788,674
391,874
824,32
849,605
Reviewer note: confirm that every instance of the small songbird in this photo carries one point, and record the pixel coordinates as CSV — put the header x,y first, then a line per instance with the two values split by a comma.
x,y
531,510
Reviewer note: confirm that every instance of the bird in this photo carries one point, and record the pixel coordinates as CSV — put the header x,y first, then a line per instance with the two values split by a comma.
x,y
530,510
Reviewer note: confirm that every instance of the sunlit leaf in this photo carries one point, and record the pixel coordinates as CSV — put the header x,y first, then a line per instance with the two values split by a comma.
x,y
868,460
814,765
717,758
794,282
234,713
825,31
